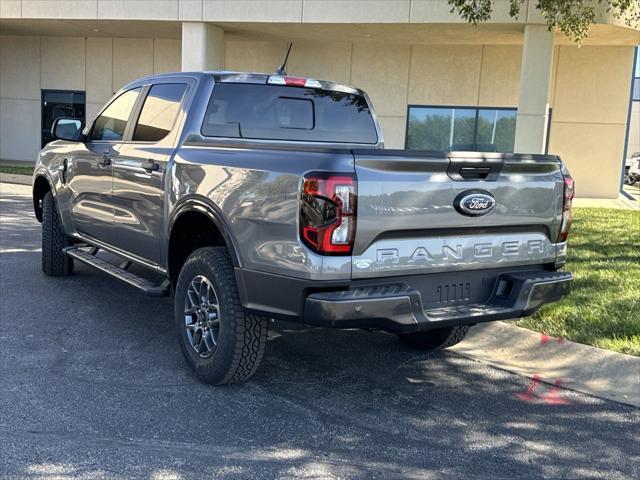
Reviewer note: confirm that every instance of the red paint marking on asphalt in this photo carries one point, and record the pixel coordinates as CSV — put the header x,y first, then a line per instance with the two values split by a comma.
x,y
529,394
552,397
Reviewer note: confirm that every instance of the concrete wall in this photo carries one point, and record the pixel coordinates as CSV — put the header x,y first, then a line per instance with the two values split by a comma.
x,y
347,11
589,91
394,75
307,11
397,75
99,66
590,107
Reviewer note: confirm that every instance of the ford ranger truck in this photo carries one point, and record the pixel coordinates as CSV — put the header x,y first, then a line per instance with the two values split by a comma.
x,y
252,197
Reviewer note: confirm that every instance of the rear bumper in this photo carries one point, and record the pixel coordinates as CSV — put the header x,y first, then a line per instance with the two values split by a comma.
x,y
398,307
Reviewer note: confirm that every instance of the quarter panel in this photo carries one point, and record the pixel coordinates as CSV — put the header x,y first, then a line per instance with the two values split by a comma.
x,y
257,191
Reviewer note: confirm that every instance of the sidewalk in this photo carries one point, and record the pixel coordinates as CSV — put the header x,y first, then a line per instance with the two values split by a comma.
x,y
558,362
14,178
630,200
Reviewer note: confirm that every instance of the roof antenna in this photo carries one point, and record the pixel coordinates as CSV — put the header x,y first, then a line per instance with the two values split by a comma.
x,y
281,70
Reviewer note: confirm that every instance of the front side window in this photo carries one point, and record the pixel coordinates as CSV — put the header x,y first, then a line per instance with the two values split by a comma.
x,y
111,123
159,112
461,128
270,112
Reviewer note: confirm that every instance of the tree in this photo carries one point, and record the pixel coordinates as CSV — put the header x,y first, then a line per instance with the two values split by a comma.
x,y
572,17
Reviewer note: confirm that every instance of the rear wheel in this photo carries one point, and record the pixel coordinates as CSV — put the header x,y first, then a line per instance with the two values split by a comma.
x,y
435,339
220,341
54,261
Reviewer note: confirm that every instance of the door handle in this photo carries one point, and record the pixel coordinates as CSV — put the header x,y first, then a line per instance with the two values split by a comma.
x,y
64,170
151,166
106,161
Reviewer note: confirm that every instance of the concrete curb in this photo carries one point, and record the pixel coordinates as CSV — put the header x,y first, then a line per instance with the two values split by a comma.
x,y
561,363
620,203
15,178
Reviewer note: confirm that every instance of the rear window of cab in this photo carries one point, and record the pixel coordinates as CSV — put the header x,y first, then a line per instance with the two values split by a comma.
x,y
285,113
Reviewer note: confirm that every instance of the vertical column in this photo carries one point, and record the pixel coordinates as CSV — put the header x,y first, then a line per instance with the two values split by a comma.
x,y
535,81
202,47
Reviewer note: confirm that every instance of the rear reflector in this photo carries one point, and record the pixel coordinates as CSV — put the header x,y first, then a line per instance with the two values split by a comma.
x,y
293,81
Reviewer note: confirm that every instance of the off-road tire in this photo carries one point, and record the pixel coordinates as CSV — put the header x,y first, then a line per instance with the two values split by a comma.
x,y
435,339
242,337
54,261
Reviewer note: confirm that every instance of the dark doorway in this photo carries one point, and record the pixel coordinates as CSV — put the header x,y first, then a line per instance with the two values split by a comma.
x,y
60,103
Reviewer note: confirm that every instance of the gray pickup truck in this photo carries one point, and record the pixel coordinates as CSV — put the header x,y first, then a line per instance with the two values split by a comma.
x,y
253,197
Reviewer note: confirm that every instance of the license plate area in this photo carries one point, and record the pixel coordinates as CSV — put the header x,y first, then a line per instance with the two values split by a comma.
x,y
441,290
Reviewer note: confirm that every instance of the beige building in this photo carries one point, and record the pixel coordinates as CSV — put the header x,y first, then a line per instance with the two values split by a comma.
x,y
508,85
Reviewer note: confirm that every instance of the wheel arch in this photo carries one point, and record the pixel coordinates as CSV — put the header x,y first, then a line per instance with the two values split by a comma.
x,y
41,186
196,222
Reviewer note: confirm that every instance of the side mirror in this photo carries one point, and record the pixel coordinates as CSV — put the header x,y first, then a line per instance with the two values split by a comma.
x,y
67,129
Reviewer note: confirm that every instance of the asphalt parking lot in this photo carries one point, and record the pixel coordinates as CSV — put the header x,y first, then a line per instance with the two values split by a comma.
x,y
93,385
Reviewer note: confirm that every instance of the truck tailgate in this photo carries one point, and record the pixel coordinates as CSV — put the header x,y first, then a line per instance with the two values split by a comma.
x,y
408,222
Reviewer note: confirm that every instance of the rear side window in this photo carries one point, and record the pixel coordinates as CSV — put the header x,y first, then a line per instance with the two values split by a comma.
x,y
271,112
159,112
111,123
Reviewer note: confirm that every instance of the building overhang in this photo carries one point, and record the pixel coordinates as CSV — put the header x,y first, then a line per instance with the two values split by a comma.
x,y
399,33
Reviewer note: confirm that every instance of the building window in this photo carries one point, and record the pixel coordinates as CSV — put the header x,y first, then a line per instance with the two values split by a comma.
x,y
461,128
56,104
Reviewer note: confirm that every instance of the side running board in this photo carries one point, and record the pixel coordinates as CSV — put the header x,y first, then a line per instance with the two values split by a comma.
x,y
89,257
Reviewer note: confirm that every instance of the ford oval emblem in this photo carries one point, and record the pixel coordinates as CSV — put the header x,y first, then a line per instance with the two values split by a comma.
x,y
475,203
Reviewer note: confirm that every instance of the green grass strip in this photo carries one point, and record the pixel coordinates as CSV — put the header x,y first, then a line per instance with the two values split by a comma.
x,y
603,309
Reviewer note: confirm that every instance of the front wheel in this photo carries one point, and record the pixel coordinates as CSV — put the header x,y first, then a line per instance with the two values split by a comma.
x,y
55,262
220,341
435,339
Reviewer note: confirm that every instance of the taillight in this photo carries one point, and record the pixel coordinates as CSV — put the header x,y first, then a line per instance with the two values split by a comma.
x,y
568,194
328,213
